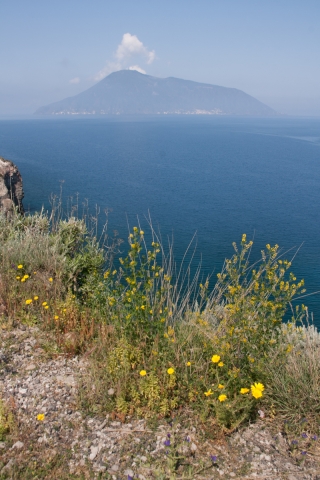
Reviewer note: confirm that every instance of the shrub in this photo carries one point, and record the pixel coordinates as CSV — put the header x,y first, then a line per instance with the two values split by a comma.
x,y
159,340
155,359
41,262
295,378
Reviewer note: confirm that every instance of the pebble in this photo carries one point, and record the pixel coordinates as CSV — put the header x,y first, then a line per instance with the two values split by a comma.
x,y
94,453
17,445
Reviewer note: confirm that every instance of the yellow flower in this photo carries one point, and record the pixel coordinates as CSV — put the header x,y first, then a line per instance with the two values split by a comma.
x,y
220,364
170,371
188,364
209,392
215,358
20,266
18,278
141,232
29,301
56,317
50,279
23,279
222,398
220,386
36,297
114,272
143,373
244,390
34,273
44,304
257,389
259,386
41,417
46,307
26,276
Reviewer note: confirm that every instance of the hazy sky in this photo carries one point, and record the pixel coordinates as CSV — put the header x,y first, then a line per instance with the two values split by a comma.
x,y
53,49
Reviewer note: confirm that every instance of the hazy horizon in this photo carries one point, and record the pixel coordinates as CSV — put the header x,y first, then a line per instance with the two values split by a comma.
x,y
57,50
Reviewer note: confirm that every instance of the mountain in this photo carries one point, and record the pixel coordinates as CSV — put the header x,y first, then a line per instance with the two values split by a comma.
x,y
131,92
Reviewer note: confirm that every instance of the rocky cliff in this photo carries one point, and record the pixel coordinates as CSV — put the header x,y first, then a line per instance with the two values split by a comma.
x,y
11,189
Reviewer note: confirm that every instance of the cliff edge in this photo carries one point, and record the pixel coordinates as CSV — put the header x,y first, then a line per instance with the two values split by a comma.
x,y
11,188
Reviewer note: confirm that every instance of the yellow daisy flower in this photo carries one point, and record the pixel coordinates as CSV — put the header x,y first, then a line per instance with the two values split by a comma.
x,y
244,390
215,358
222,398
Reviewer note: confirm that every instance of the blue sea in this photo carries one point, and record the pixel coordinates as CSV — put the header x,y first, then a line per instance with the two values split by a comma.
x,y
218,177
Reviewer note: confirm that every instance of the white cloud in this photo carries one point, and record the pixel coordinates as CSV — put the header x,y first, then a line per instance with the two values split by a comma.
x,y
74,80
137,68
109,68
130,47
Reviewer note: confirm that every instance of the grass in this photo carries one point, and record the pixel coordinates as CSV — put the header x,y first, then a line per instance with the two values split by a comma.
x,y
157,340
6,420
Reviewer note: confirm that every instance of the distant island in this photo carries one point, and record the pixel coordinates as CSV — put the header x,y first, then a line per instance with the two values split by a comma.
x,y
130,92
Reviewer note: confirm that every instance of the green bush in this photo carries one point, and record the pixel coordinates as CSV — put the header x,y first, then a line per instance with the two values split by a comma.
x,y
156,358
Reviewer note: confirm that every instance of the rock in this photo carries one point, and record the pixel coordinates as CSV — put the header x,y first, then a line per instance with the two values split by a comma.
x,y
11,189
94,453
128,472
30,367
18,445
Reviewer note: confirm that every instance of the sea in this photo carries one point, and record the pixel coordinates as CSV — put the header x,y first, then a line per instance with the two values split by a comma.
x,y
200,179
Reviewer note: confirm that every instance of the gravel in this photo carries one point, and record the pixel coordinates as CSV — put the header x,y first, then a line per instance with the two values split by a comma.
x,y
68,444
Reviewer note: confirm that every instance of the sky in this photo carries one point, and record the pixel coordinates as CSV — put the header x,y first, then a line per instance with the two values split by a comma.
x,y
50,50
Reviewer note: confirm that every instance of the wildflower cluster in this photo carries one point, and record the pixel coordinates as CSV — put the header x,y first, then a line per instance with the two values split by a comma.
x,y
155,348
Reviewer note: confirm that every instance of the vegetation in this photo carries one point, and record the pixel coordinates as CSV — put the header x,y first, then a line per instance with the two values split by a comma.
x,y
158,341
6,420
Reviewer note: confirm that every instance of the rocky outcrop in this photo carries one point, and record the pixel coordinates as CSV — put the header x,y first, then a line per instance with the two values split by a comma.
x,y
11,190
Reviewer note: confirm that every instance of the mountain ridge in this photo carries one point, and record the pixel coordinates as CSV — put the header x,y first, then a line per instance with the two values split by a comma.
x,y
131,92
